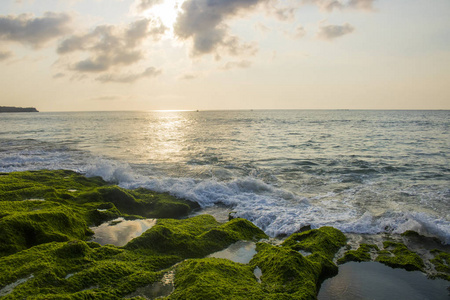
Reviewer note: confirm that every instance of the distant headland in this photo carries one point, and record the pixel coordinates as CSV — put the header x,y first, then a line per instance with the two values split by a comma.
x,y
7,109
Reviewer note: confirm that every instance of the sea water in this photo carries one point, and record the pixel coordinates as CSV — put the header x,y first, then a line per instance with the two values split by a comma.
x,y
359,171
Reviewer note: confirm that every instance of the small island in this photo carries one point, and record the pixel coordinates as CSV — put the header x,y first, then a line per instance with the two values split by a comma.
x,y
13,109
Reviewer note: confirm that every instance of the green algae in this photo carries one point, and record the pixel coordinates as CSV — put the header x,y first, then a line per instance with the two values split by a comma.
x,y
363,253
80,270
215,278
441,262
394,254
77,270
42,206
194,237
326,241
286,274
397,255
44,224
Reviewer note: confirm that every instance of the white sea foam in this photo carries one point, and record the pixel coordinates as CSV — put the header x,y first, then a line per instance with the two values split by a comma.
x,y
275,210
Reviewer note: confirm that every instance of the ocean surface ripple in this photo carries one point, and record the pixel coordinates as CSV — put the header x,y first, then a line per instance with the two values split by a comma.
x,y
360,171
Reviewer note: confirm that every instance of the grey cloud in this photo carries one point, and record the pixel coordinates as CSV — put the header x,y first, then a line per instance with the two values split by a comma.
x,y
146,4
32,31
361,4
299,33
188,77
281,9
330,5
108,46
59,75
129,78
244,64
105,98
329,32
204,21
5,55
88,65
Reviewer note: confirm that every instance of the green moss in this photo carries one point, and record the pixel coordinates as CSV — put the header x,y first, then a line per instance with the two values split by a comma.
x,y
43,243
361,254
76,269
213,278
326,241
194,237
286,274
42,206
397,255
51,222
72,268
441,262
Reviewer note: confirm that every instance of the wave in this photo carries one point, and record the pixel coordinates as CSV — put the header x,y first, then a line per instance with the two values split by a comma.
x,y
275,210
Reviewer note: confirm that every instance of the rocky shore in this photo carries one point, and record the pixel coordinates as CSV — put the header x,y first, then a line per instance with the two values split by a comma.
x,y
47,220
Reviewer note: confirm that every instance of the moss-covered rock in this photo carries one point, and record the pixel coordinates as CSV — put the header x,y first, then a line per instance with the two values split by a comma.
x,y
42,206
85,270
76,270
326,241
397,255
286,274
194,237
441,262
214,278
42,223
363,253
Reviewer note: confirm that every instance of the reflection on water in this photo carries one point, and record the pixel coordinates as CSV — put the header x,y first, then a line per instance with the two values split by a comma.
x,y
120,231
240,252
9,288
156,290
372,280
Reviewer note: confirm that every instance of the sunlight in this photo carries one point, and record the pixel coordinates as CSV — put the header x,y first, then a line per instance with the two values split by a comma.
x,y
166,11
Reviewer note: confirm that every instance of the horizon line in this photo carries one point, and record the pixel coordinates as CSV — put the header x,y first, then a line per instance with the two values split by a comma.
x,y
255,109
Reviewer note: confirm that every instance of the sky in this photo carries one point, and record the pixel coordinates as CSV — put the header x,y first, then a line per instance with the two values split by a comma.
x,y
98,55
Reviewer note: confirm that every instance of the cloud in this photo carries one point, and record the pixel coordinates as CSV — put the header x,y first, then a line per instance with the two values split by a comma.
x,y
204,22
283,10
299,33
188,77
330,32
262,28
32,31
5,55
330,5
129,78
109,46
244,64
146,4
105,98
59,75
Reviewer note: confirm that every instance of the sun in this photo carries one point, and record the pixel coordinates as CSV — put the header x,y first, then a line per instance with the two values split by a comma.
x,y
167,12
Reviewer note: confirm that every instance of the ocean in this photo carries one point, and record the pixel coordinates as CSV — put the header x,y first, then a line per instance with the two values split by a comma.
x,y
363,172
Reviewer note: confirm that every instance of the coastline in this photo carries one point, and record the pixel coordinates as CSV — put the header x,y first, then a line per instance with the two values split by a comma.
x,y
48,216
13,109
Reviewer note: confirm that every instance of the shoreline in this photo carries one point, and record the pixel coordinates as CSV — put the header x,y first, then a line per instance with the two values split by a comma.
x,y
49,214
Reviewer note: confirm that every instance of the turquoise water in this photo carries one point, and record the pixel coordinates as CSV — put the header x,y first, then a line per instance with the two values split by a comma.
x,y
360,171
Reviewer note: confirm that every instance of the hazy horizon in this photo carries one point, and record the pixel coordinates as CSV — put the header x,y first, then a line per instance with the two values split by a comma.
x,y
139,55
